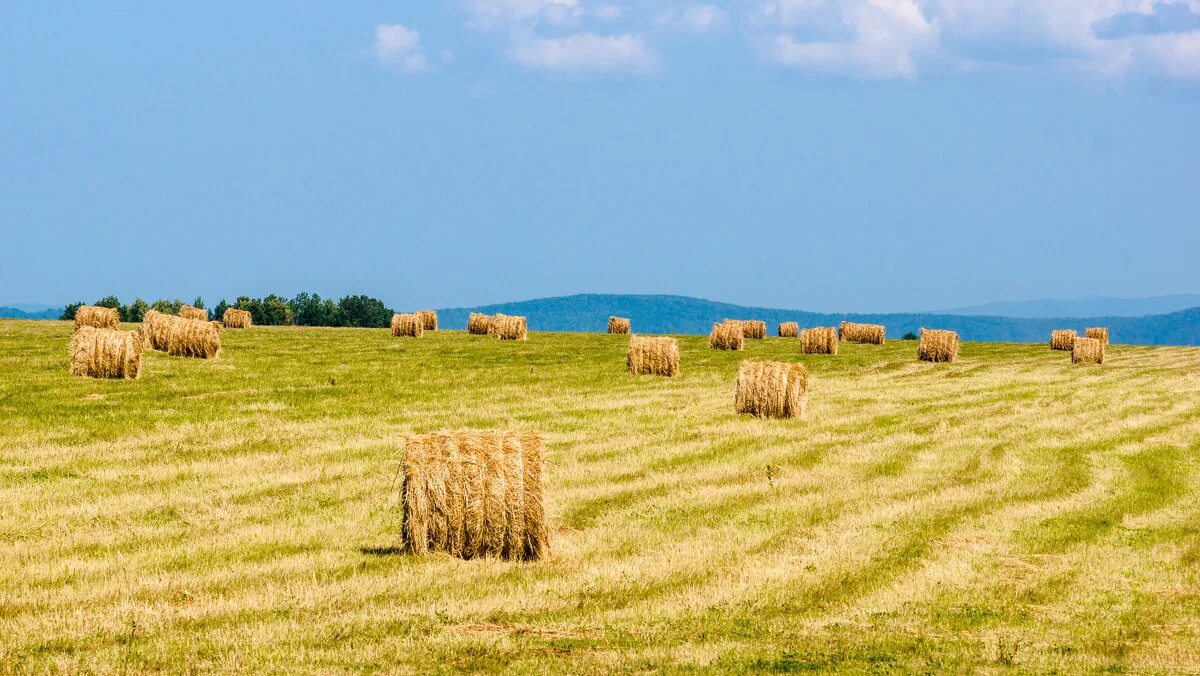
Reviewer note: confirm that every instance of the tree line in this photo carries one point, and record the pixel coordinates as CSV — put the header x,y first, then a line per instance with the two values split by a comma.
x,y
303,310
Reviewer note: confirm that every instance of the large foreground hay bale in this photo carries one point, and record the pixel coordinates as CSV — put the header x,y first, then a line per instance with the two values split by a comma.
x,y
429,319
407,326
192,338
821,340
1063,339
105,353
1087,351
237,319
479,324
475,494
937,346
99,317
771,389
619,325
1100,334
189,312
870,334
728,335
506,327
154,330
789,329
753,329
658,356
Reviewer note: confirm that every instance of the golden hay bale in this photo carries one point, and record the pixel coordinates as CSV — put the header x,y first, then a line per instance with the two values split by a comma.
x,y
789,329
507,327
1087,351
937,346
189,312
237,319
653,356
154,330
475,494
870,334
105,353
728,335
479,324
99,317
429,319
753,329
771,389
619,325
1100,334
407,326
822,340
192,338
1063,339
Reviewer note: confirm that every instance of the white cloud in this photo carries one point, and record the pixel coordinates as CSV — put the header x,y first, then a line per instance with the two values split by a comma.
x,y
489,14
399,46
583,52
606,12
694,18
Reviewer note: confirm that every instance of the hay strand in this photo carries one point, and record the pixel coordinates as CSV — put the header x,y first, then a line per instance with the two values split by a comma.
x,y
98,317
1063,339
789,329
237,319
728,335
1100,334
771,389
869,334
105,353
1087,351
479,324
821,340
407,326
938,346
619,325
653,356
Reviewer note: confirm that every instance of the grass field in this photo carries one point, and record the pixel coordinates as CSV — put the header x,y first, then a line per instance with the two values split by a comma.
x,y
1008,511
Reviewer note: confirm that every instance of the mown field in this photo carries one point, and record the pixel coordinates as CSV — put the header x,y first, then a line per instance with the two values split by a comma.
x,y
1009,511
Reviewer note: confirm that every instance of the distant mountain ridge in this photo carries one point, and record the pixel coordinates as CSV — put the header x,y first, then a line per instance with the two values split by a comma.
x,y
1095,306
682,314
17,313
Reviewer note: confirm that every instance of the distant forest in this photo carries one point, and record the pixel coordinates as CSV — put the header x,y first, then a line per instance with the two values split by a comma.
x,y
305,309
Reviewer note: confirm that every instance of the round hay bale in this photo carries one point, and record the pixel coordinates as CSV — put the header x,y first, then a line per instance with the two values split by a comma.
x,y
192,338
868,334
821,340
1087,351
1063,339
789,329
105,353
771,389
654,356
728,335
237,319
619,325
429,319
1100,334
505,327
189,312
98,317
407,326
479,324
938,346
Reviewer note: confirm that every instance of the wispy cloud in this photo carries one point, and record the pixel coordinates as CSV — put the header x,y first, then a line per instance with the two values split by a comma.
x,y
399,46
700,18
582,52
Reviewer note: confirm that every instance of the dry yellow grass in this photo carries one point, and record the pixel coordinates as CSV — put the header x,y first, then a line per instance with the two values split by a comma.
x,y
869,334
479,324
99,317
506,327
407,326
474,494
728,335
237,319
656,356
938,346
189,312
1062,339
619,325
821,340
429,319
105,353
789,329
1087,351
1099,333
771,389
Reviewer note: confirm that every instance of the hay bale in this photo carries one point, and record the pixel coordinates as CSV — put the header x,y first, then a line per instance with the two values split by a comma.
x,y
407,326
789,329
479,324
189,312
1087,351
1100,334
429,319
192,338
821,340
619,325
657,356
869,334
106,353
237,319
728,335
155,329
752,329
475,494
937,346
99,317
771,389
1062,339
506,327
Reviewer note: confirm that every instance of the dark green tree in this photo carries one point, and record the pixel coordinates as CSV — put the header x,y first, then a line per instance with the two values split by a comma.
x,y
198,303
311,310
219,311
364,311
109,301
70,310
135,311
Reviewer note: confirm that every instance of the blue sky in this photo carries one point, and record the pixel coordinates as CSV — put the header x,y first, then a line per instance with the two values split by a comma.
x,y
828,155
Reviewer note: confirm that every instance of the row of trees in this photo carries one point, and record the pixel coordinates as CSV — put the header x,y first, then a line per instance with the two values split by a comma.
x,y
304,310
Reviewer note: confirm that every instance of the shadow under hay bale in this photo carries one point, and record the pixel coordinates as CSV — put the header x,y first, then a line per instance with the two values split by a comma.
x,y
506,327
106,353
98,317
1087,351
1100,334
479,324
820,340
938,346
653,356
1063,339
237,319
868,334
771,389
789,329
189,312
429,319
728,335
407,326
475,494
619,325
